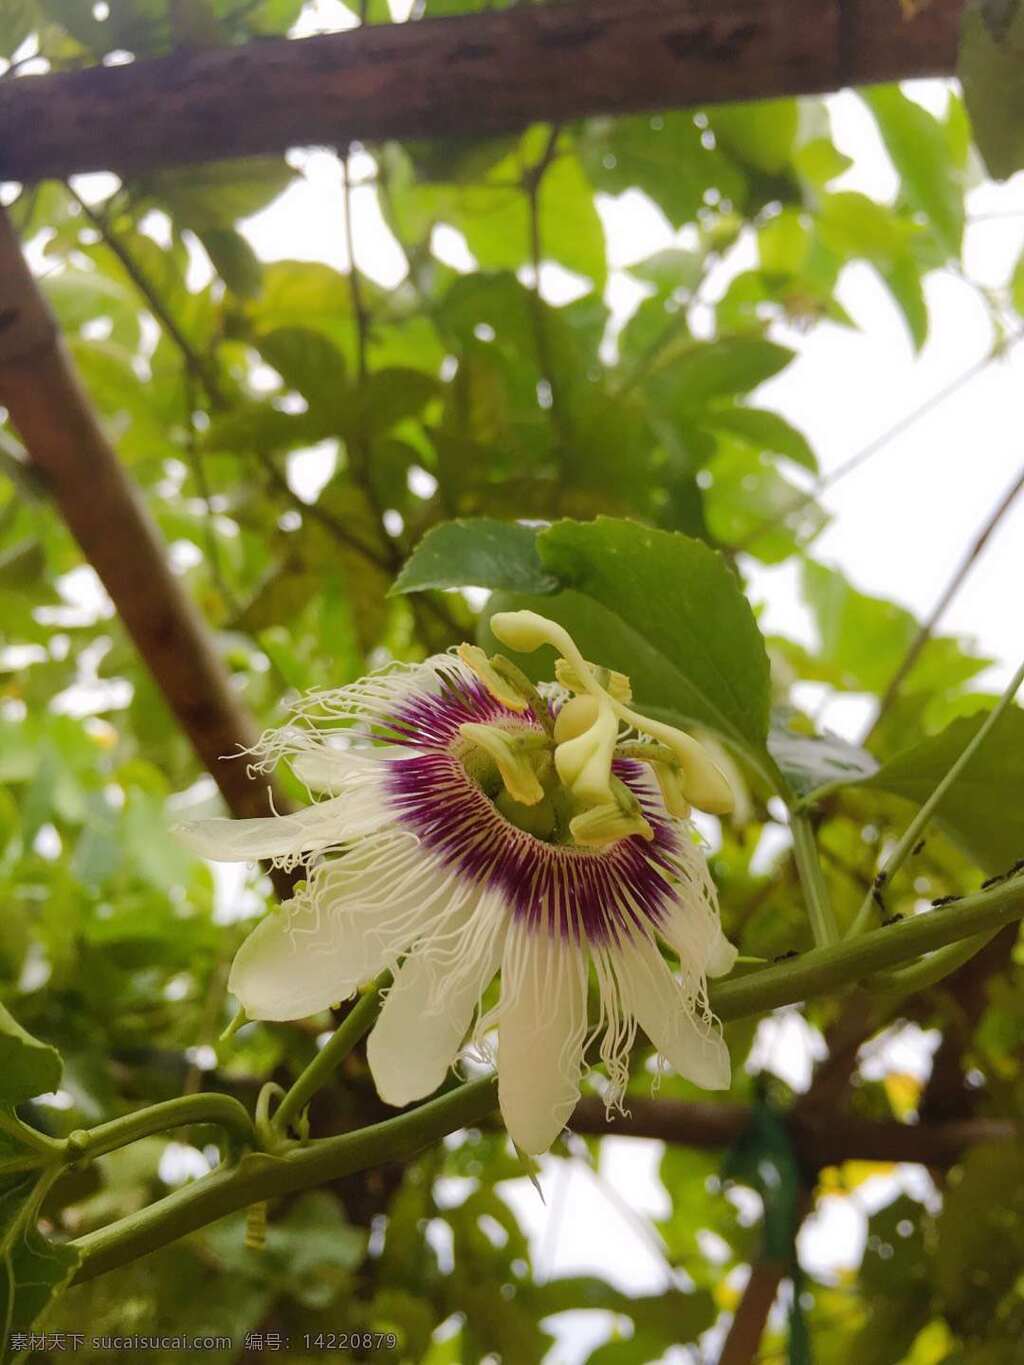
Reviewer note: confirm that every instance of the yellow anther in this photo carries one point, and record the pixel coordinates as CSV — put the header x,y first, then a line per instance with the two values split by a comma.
x,y
670,780
500,688
703,782
577,715
511,755
618,818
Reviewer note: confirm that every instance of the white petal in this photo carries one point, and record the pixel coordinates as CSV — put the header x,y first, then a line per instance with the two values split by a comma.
x,y
278,836
666,1014
542,1027
340,931
427,1014
329,770
722,957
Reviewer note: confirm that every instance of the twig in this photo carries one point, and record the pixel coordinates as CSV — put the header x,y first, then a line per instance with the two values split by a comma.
x,y
744,1337
203,484
954,585
197,365
532,178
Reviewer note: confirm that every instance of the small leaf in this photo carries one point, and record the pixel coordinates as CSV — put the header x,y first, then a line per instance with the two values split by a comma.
x,y
715,369
917,144
234,260
481,552
27,1066
812,761
766,431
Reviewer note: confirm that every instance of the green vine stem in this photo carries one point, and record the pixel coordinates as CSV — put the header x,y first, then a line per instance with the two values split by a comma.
x,y
913,832
42,1144
158,1118
805,853
260,1176
356,1024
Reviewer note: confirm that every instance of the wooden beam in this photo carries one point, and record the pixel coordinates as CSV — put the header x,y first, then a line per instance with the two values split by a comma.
x,y
80,471
484,73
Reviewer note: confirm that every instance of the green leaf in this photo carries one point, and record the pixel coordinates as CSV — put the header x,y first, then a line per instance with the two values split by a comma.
x,y
27,1066
765,431
783,243
854,225
670,614
760,133
917,144
864,638
234,260
984,809
812,761
216,194
990,68
749,503
714,369
981,1238
481,552
903,280
32,1270
665,156
1017,285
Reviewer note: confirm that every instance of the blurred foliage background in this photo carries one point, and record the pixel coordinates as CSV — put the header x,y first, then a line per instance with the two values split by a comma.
x,y
466,393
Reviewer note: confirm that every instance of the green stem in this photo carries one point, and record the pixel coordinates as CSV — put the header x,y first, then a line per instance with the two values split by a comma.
x,y
916,827
841,964
805,852
39,1142
158,1118
260,1176
356,1024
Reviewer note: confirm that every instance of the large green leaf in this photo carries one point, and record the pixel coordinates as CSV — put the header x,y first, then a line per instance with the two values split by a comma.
x,y
990,67
917,144
27,1066
984,809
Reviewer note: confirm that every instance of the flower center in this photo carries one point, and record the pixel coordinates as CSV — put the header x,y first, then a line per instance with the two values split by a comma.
x,y
551,775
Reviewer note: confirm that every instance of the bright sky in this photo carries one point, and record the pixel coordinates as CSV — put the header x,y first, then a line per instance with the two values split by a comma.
x,y
901,524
